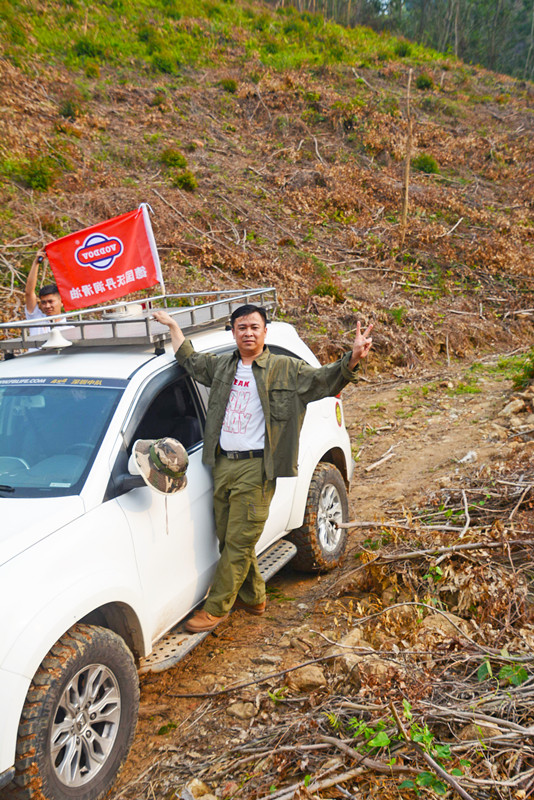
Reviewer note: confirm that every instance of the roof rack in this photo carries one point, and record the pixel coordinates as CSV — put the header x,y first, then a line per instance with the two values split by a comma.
x,y
131,322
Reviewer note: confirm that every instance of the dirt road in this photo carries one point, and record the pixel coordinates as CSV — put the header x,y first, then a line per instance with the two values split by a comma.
x,y
410,437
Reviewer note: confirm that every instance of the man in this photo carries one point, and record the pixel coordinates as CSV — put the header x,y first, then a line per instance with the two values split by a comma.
x,y
255,412
47,304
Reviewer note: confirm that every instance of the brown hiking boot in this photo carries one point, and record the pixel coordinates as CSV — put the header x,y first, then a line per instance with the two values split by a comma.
x,y
257,610
202,621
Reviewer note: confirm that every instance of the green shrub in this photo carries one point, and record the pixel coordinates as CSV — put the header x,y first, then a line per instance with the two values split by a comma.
x,y
163,63
312,98
213,11
92,70
229,85
397,314
72,105
262,21
184,180
172,157
172,8
87,47
151,37
327,288
402,49
37,173
424,81
425,163
526,376
159,100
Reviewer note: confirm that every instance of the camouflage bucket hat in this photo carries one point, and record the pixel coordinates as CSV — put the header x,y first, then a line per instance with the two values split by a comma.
x,y
162,463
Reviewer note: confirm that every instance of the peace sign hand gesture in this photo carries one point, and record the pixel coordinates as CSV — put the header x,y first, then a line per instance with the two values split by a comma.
x,y
362,344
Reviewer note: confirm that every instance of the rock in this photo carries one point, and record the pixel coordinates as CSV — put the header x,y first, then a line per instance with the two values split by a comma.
x,y
197,788
229,788
306,178
208,680
498,432
512,407
267,659
307,679
348,661
469,457
242,710
378,671
479,730
516,422
446,625
153,709
354,638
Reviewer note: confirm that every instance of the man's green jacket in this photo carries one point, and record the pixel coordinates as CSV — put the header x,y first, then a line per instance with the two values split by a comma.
x,y
285,386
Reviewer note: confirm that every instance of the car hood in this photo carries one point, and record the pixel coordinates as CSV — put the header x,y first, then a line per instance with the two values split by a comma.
x,y
25,521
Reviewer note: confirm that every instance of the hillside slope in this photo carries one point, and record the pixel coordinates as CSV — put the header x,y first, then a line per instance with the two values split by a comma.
x,y
271,148
260,174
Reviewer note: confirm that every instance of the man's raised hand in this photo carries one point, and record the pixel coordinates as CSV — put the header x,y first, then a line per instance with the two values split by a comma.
x,y
362,344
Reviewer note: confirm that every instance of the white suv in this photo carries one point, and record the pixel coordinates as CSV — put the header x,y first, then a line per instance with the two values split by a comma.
x,y
95,568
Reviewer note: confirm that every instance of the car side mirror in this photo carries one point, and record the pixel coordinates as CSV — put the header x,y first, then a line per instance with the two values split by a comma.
x,y
126,482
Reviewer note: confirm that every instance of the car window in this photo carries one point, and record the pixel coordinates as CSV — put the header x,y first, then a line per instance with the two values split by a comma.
x,y
50,431
173,412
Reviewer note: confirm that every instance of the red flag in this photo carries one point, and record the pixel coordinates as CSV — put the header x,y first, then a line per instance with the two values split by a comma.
x,y
105,261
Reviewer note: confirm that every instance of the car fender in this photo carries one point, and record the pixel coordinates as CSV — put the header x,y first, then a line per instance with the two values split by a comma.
x,y
333,446
86,569
39,636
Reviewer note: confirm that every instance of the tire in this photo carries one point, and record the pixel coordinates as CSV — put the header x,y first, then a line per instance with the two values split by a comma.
x,y
79,718
320,543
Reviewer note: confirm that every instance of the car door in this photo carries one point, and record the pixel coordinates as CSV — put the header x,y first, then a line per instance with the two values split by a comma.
x,y
173,535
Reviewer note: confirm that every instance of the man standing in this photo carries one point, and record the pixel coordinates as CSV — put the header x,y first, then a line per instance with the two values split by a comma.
x,y
48,304
255,412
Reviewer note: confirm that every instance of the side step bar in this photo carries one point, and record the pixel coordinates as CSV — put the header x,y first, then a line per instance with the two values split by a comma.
x,y
173,647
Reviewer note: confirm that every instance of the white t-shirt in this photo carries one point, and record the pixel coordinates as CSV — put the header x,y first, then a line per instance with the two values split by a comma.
x,y
36,314
243,426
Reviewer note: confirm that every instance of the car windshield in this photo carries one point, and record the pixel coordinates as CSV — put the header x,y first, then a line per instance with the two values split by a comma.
x,y
50,431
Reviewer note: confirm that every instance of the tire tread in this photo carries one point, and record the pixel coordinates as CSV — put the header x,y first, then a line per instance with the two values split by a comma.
x,y
310,556
27,784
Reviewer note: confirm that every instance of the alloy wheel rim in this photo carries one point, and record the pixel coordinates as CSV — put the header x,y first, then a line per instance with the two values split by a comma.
x,y
329,515
85,725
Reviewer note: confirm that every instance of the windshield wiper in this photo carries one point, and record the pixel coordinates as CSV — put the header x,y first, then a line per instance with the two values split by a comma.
x,y
5,488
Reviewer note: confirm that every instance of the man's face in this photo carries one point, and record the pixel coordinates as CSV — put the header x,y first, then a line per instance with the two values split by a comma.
x,y
249,333
50,304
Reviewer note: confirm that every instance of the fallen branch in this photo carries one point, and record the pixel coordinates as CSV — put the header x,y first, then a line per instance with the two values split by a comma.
x,y
360,78
432,763
512,513
355,524
387,455
467,517
448,233
370,763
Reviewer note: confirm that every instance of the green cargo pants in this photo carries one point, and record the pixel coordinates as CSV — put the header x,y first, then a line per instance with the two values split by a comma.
x,y
241,501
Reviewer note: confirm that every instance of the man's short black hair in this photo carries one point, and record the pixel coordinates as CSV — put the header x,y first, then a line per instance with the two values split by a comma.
x,y
244,311
49,288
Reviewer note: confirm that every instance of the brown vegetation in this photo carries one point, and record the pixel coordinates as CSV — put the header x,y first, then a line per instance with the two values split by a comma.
x,y
299,185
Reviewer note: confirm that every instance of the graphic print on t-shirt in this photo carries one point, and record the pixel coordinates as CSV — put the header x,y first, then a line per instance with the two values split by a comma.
x,y
243,426
236,418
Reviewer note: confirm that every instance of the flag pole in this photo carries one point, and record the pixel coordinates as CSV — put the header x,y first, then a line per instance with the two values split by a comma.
x,y
152,242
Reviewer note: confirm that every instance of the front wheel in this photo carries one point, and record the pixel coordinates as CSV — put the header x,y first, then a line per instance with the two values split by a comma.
x,y
320,541
79,718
